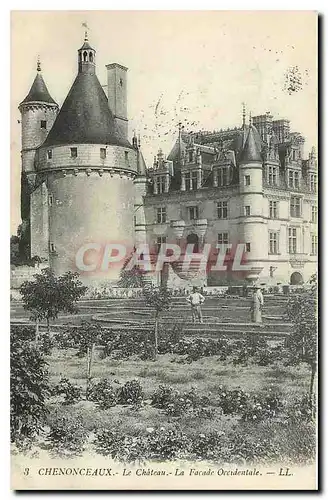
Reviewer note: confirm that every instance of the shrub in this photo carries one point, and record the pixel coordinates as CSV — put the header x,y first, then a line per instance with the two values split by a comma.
x,y
176,404
125,448
207,446
71,392
103,394
67,435
130,393
168,444
29,389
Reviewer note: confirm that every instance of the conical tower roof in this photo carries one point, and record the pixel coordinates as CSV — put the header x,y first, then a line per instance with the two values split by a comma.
x,y
38,91
85,117
251,151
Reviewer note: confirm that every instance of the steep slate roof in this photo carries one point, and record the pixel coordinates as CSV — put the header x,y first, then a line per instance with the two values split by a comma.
x,y
85,117
252,148
38,91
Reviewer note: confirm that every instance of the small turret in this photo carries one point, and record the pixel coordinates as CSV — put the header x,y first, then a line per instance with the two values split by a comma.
x,y
251,151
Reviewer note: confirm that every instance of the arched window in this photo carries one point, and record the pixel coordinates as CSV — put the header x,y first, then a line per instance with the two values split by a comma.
x,y
192,239
85,56
90,57
296,279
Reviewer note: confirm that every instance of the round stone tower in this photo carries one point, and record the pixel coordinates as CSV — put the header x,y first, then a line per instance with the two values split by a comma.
x,y
252,223
89,170
38,112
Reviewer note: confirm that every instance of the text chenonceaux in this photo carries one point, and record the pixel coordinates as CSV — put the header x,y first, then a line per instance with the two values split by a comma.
x,y
102,471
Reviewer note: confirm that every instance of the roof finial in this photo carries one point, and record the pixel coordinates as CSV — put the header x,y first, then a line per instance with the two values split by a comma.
x,y
86,31
244,115
38,64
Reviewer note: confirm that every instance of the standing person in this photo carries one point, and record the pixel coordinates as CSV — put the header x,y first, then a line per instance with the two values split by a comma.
x,y
257,305
196,299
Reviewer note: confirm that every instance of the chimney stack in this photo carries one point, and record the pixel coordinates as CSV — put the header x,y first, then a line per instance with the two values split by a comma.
x,y
117,97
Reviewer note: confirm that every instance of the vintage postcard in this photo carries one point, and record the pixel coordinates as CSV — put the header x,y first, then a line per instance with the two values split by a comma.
x,y
164,250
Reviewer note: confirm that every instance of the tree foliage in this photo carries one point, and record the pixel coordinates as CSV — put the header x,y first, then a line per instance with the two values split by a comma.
x,y
303,341
28,388
47,295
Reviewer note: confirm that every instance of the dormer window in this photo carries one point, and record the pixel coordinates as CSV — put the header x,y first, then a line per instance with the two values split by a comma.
x,y
191,180
49,154
43,124
73,152
223,176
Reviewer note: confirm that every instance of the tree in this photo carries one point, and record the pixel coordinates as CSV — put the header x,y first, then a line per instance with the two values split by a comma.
x,y
159,299
85,336
47,295
29,387
302,343
132,278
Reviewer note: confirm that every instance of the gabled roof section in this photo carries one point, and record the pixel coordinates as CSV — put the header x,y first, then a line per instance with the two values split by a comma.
x,y
85,117
38,91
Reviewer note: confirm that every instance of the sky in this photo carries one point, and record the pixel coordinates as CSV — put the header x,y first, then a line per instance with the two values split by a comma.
x,y
197,67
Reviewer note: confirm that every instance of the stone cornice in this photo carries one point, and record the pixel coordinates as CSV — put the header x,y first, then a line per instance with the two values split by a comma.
x,y
89,170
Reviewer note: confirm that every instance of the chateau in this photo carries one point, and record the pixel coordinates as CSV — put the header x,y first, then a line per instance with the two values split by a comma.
x,y
84,181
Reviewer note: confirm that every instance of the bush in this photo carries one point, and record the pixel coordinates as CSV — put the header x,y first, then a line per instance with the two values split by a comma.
x,y
176,404
71,392
67,435
125,448
103,394
207,446
29,388
168,444
130,393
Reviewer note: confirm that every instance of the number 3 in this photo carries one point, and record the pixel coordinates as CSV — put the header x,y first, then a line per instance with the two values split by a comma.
x,y
26,471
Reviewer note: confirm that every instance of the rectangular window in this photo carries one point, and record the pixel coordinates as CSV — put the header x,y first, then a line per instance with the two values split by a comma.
x,y
73,152
52,247
222,176
190,156
247,210
247,247
291,179
161,215
295,206
314,244
194,180
50,200
273,242
292,240
247,180
272,176
273,209
296,180
44,124
49,154
193,213
188,181
223,239
161,240
222,209
126,156
314,213
223,242
160,182
313,183
103,153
